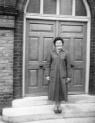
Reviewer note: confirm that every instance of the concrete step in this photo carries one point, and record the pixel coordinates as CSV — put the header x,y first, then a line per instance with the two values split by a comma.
x,y
67,120
43,100
39,108
45,112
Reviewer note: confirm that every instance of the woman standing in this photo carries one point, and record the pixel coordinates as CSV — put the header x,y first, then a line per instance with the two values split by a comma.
x,y
58,72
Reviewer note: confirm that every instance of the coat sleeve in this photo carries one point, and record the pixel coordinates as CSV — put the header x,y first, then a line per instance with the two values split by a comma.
x,y
68,65
48,64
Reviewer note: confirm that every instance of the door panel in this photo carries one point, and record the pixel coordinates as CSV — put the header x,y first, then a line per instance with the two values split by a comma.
x,y
75,42
38,42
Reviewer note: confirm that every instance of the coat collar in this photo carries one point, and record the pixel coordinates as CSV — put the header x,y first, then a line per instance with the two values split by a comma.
x,y
61,51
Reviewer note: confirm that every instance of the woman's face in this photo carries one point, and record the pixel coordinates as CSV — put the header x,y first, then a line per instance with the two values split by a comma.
x,y
59,44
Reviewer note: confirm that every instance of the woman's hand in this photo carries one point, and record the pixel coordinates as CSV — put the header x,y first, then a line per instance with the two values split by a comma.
x,y
48,78
68,80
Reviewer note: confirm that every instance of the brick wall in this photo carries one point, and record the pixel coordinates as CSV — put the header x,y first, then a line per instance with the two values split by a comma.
x,y
6,59
92,52
18,48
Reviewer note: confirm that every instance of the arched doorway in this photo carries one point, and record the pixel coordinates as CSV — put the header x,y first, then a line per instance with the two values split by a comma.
x,y
44,21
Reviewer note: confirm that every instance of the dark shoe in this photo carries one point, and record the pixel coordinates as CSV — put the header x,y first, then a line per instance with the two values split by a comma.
x,y
55,109
59,109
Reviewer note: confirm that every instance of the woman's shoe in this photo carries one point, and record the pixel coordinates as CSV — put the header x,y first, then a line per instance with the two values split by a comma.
x,y
56,109
59,109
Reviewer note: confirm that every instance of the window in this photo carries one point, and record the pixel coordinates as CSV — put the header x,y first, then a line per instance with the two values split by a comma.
x,y
65,7
33,6
57,7
80,8
49,7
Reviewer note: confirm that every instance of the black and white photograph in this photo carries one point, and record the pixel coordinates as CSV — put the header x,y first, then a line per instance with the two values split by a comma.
x,y
47,61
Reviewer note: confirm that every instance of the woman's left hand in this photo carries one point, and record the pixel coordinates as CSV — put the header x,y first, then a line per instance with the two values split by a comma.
x,y
48,78
68,80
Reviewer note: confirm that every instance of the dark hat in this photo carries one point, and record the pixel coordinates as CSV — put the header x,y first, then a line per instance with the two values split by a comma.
x,y
58,38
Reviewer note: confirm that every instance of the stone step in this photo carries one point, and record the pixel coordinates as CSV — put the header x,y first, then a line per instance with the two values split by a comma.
x,y
45,112
43,100
67,120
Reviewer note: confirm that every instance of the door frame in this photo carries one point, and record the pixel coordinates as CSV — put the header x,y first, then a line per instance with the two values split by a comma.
x,y
61,18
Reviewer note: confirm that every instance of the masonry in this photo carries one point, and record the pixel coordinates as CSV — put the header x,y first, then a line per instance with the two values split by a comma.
x,y
6,59
11,53
92,52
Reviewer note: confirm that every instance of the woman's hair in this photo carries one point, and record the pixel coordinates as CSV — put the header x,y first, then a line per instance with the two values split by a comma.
x,y
58,38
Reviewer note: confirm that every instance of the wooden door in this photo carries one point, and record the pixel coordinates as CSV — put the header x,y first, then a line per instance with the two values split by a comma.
x,y
39,37
74,35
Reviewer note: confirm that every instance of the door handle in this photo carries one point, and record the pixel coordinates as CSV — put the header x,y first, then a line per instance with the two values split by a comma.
x,y
72,65
40,65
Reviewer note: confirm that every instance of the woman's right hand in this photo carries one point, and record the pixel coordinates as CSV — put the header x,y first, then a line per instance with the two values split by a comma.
x,y
48,78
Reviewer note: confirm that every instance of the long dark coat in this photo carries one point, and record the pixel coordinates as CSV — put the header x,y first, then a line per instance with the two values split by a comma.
x,y
58,68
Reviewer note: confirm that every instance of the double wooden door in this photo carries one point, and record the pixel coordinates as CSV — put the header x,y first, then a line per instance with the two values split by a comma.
x,y
39,37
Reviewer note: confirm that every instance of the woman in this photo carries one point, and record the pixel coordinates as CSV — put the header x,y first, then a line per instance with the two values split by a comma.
x,y
58,73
